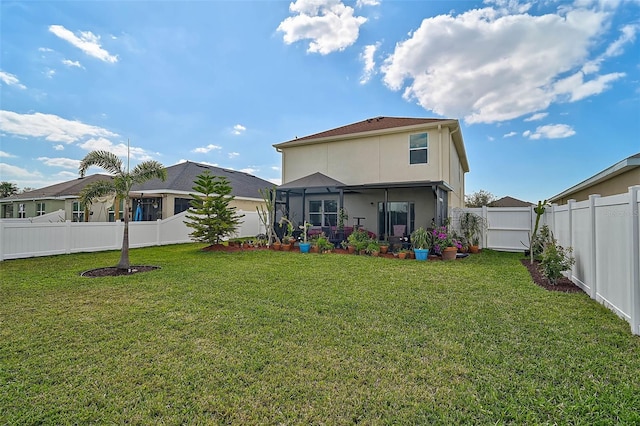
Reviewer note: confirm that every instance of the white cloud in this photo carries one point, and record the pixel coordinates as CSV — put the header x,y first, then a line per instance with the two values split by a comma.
x,y
234,154
44,49
206,149
65,163
49,73
71,63
6,155
86,41
249,170
121,149
329,24
368,59
537,116
48,126
498,63
7,171
362,3
238,129
11,80
550,131
276,168
58,147
510,134
67,175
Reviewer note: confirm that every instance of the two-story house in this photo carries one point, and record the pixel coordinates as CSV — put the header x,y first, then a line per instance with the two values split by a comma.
x,y
391,175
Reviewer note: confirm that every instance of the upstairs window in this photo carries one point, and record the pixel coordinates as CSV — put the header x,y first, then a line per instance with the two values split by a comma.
x,y
418,146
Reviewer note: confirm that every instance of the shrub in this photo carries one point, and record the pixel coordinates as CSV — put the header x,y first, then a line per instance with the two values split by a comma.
x,y
555,260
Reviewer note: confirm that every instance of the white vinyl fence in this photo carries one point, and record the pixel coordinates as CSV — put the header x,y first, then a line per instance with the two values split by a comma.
x,y
604,233
23,238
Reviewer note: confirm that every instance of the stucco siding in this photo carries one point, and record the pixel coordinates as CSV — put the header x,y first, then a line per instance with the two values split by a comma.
x,y
374,159
616,185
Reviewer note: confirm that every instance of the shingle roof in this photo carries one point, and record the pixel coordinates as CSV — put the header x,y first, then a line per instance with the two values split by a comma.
x,y
315,180
64,189
181,177
370,125
510,202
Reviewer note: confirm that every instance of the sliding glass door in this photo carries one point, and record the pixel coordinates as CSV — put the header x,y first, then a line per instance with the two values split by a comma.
x,y
397,217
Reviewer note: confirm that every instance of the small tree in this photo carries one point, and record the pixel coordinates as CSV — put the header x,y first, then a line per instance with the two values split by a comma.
x,y
210,216
266,213
479,199
555,260
7,189
123,180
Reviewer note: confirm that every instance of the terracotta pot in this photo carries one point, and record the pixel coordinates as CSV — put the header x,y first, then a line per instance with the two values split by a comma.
x,y
449,253
402,255
411,255
286,247
276,246
351,249
474,249
375,253
384,249
314,249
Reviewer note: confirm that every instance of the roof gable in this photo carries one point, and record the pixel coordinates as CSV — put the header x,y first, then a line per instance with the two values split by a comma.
x,y
315,180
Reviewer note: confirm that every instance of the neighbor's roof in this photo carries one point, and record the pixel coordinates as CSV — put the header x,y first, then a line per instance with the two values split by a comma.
x,y
68,189
378,125
181,178
621,167
510,202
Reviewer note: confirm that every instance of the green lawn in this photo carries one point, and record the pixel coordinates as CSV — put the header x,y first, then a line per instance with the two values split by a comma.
x,y
284,338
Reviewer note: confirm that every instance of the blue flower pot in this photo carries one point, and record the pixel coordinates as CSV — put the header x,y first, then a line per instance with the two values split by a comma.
x,y
304,247
421,254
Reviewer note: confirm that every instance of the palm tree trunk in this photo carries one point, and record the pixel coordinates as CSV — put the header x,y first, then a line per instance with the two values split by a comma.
x,y
124,252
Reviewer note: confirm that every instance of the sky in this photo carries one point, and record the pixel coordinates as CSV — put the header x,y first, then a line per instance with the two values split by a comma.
x,y
547,92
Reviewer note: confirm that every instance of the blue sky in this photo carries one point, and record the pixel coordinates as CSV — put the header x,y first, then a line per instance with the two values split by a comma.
x,y
547,92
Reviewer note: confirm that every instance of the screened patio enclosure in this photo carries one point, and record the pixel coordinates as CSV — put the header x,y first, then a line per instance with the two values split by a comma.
x,y
385,209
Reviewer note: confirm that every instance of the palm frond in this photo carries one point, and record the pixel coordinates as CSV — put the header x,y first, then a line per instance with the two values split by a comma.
x,y
148,170
103,159
96,189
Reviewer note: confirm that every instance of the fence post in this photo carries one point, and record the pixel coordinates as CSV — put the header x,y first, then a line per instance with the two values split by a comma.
x,y
594,247
2,240
67,236
634,288
485,232
158,225
570,218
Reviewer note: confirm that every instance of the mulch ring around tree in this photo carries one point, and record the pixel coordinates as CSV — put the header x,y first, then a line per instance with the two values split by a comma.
x,y
112,271
563,284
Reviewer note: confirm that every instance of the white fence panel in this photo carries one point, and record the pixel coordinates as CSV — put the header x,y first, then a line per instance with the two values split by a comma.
x,y
508,228
94,236
174,230
583,249
613,260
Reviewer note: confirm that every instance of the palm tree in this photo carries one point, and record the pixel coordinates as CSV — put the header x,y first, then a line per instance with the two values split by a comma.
x,y
121,185
7,189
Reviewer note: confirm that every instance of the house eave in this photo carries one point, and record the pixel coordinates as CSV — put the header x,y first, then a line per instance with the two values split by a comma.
x,y
608,173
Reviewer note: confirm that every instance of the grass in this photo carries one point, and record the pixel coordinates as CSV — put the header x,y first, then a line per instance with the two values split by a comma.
x,y
283,338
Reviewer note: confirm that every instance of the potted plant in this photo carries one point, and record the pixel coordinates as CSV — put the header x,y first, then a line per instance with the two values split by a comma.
x,y
287,239
384,246
343,216
304,244
323,244
373,248
471,226
402,253
421,242
359,240
445,243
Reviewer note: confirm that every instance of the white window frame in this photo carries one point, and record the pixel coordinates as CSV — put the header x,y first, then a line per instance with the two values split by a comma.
x,y
413,149
41,208
78,212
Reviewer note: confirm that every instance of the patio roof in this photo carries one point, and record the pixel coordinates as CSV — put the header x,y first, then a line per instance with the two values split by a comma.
x,y
315,180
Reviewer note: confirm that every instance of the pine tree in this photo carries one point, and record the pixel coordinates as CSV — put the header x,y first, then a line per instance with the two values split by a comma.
x,y
210,215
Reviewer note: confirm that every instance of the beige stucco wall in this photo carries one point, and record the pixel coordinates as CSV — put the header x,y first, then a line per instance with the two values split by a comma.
x,y
374,159
616,185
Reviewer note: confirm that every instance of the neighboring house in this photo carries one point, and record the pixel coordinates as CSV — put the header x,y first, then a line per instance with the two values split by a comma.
x,y
614,180
160,199
156,199
391,175
509,202
61,196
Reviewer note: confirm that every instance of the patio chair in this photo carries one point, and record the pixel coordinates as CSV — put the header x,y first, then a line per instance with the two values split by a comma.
x,y
398,230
